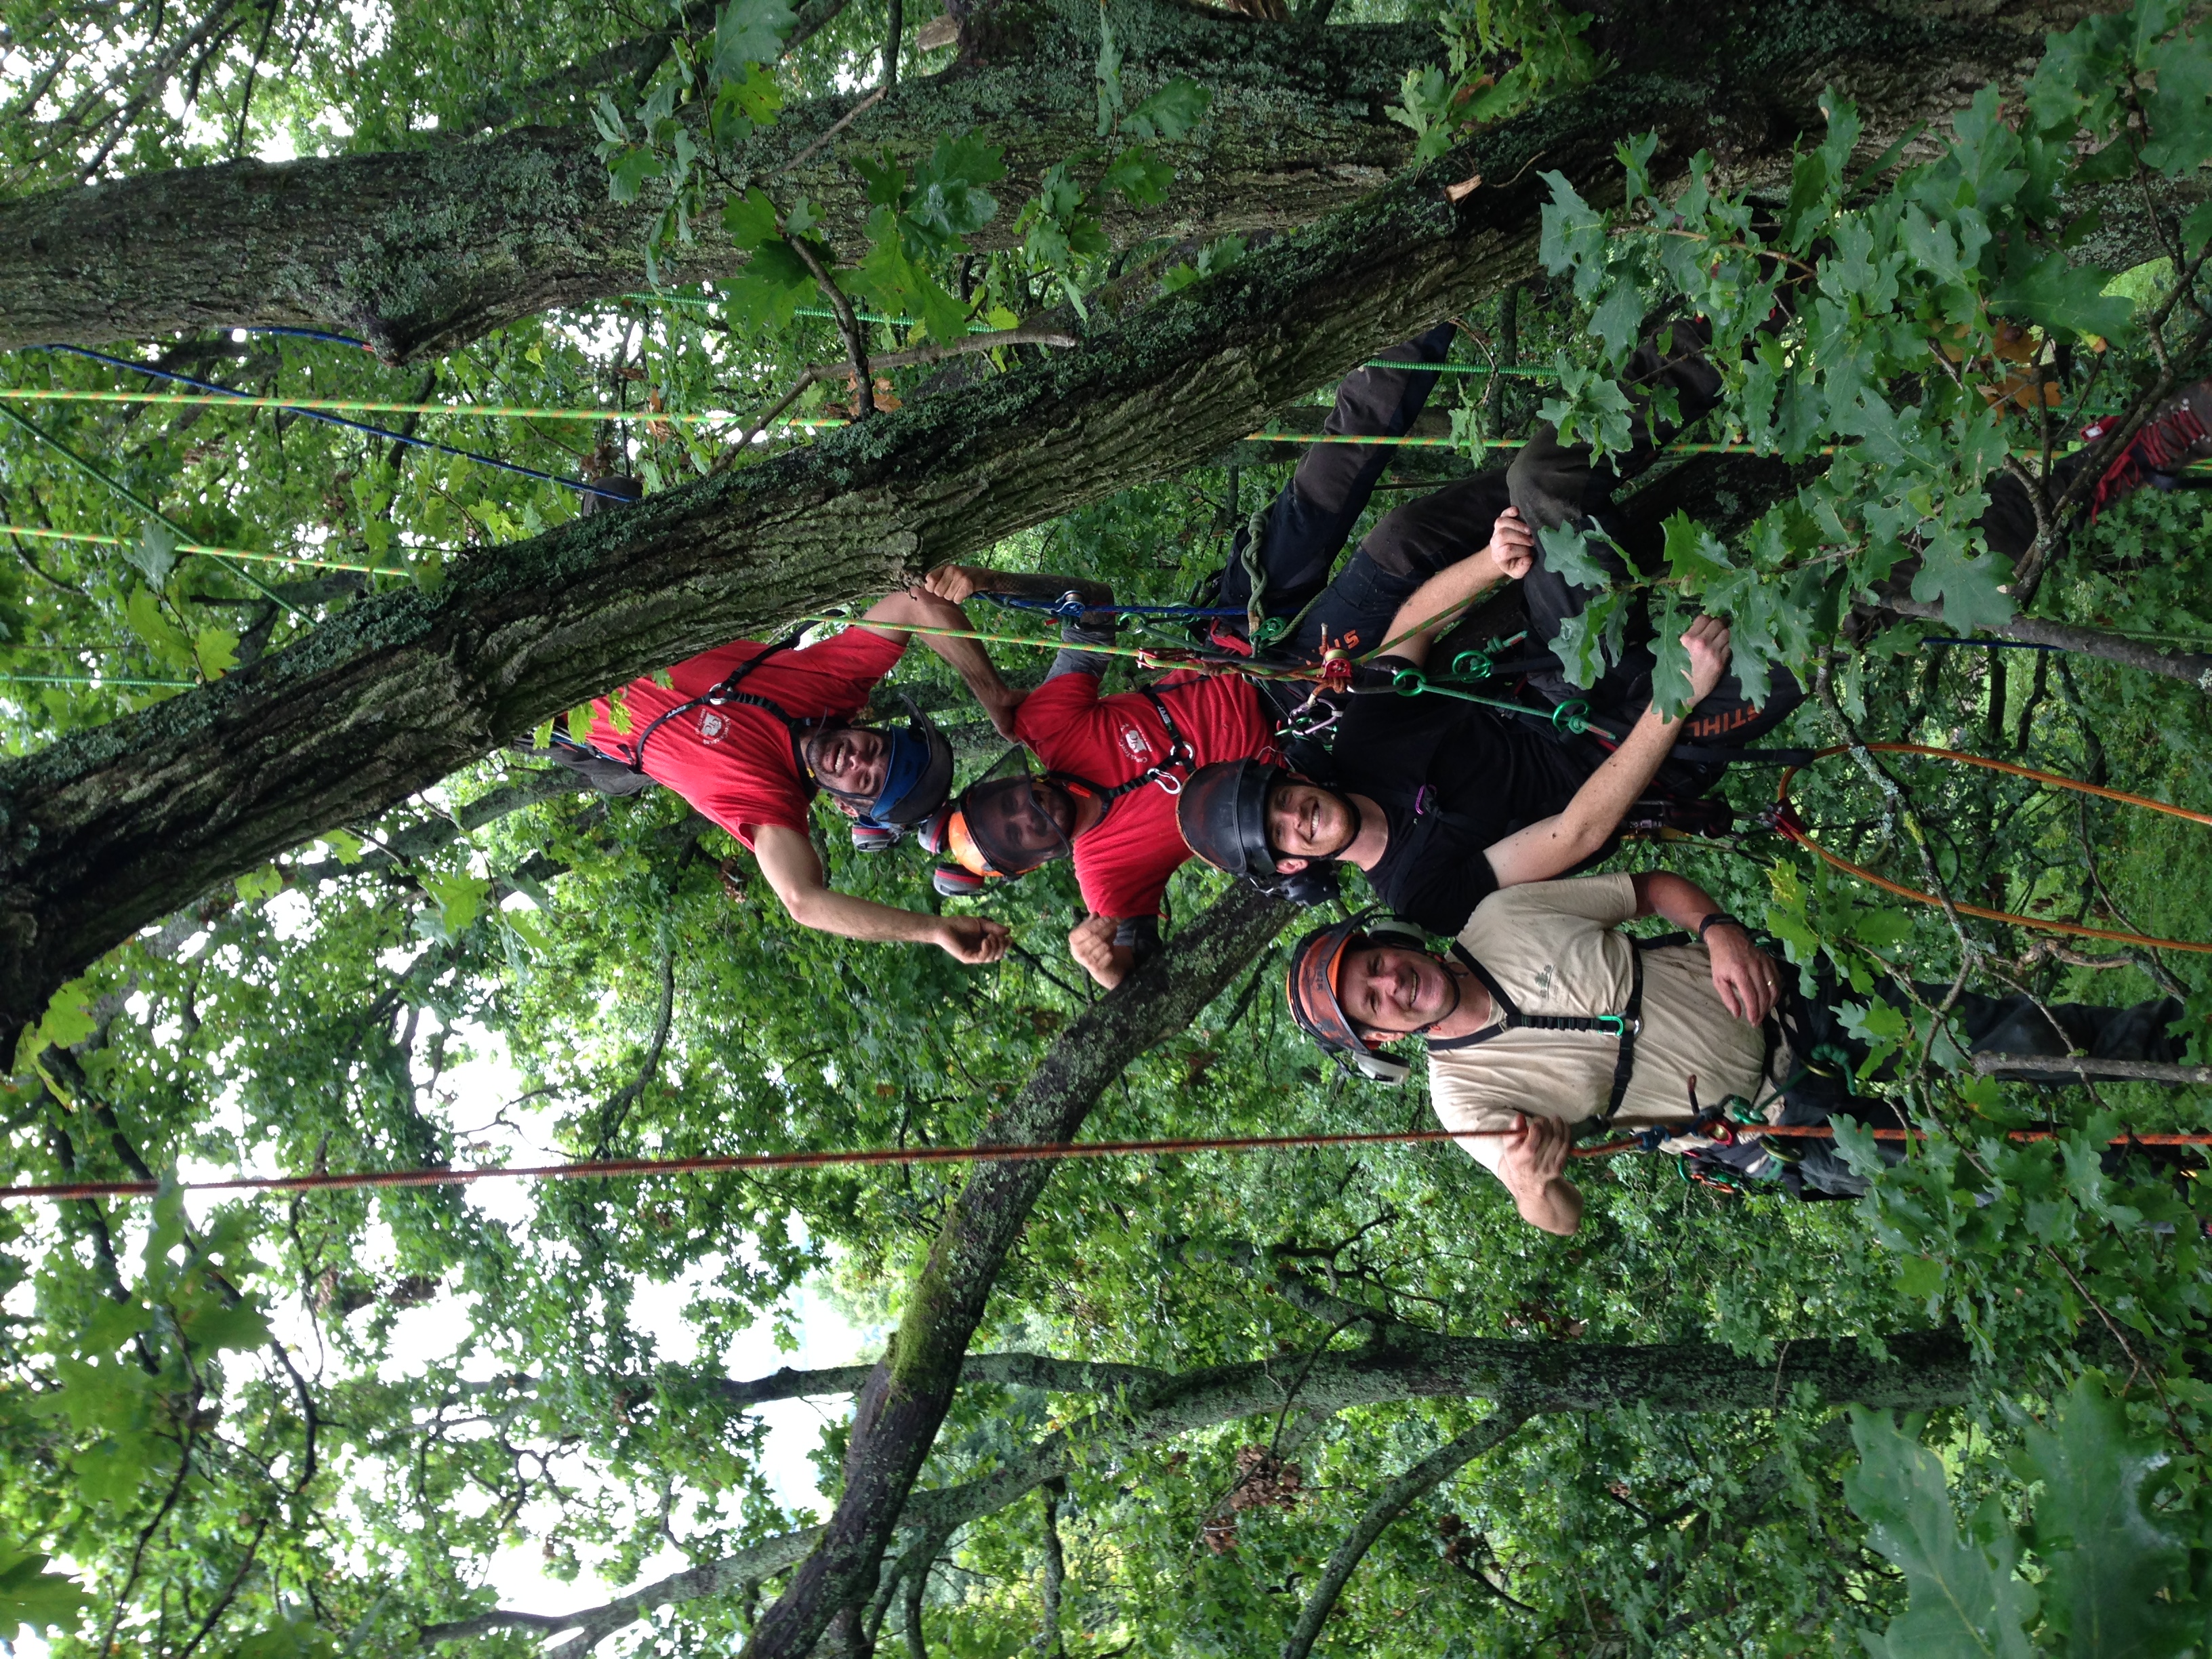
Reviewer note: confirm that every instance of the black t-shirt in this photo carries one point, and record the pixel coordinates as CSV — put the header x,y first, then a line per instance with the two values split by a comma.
x,y
1452,778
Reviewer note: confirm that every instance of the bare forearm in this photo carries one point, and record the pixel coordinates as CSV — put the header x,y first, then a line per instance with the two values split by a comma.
x,y
828,911
1556,1207
1676,899
1437,601
972,663
1601,802
1552,846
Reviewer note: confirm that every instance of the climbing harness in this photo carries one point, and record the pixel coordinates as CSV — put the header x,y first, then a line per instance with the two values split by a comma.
x,y
1626,1025
1782,819
1170,772
726,691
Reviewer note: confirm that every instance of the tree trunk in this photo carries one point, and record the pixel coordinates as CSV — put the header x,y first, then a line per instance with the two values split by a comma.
x,y
896,1419
110,829
426,250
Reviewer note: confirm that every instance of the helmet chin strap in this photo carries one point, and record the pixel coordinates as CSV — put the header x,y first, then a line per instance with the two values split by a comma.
x,y
1350,835
820,730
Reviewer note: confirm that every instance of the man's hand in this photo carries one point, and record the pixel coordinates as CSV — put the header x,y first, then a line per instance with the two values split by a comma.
x,y
1512,545
1746,976
1533,1169
1003,710
972,939
1091,942
956,584
1707,642
1535,1153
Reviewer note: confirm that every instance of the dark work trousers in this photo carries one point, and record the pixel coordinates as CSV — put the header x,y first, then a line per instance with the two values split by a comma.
x,y
1305,527
1825,1058
1553,484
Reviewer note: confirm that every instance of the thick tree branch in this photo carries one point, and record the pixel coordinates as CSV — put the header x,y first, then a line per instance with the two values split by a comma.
x,y
111,830
1926,1368
1015,1370
2194,667
897,1418
425,250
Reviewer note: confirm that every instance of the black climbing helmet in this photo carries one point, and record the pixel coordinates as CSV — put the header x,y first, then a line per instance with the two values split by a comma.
x,y
1223,815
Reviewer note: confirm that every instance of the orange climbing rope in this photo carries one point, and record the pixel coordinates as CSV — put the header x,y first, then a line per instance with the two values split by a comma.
x,y
1784,817
605,1169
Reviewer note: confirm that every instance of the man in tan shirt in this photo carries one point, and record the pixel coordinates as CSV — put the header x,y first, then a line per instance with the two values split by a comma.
x,y
1544,1016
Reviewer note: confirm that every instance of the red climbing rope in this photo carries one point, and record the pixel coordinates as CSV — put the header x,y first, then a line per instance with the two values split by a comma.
x,y
1784,817
602,1169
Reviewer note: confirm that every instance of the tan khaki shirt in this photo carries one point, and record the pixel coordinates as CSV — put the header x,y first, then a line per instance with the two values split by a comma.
x,y
1553,949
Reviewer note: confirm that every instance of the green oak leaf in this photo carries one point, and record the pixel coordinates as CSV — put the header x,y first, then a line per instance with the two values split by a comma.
x,y
1966,1601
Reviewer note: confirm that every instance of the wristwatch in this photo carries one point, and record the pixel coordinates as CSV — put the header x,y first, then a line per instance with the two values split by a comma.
x,y
1718,918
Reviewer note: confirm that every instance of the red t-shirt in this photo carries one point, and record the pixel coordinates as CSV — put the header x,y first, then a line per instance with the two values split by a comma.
x,y
1124,862
734,762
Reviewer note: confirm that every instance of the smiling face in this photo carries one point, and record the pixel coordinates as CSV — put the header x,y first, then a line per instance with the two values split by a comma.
x,y
851,761
1306,821
1390,991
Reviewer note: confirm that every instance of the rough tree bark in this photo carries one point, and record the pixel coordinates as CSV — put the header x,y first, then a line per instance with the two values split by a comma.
x,y
896,1419
1925,1369
425,250
111,830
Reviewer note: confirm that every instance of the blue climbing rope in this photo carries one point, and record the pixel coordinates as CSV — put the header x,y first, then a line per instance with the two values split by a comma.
x,y
577,484
1070,606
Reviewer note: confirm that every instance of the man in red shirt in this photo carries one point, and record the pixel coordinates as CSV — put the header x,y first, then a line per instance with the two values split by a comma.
x,y
747,734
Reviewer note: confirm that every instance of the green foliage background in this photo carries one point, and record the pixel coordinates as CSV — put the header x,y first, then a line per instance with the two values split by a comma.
x,y
207,1441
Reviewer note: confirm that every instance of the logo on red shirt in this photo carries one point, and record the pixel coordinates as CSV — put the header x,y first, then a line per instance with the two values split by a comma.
x,y
712,725
1136,742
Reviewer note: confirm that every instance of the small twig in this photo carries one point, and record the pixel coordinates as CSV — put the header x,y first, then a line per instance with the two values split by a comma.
x,y
907,359
848,325
1896,805
835,127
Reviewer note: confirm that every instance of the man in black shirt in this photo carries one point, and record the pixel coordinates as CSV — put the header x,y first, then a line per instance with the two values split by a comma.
x,y
1440,802
1448,780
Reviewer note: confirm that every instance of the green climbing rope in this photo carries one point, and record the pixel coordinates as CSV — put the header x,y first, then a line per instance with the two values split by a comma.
x,y
36,533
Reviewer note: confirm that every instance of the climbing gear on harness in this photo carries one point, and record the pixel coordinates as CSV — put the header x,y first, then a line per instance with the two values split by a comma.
x,y
1316,964
999,827
1570,716
1626,1025
724,691
1782,817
